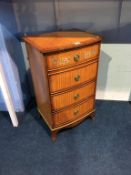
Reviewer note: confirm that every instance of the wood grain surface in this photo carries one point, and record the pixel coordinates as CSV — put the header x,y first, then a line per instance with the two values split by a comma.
x,y
72,57
73,77
58,41
73,96
73,113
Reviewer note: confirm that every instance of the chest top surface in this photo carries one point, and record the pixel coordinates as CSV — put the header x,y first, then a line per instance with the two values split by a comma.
x,y
58,41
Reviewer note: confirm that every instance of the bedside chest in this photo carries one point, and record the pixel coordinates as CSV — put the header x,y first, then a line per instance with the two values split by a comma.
x,y
64,69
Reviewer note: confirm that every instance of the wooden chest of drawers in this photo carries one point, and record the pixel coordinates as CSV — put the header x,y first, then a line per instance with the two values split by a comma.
x,y
64,70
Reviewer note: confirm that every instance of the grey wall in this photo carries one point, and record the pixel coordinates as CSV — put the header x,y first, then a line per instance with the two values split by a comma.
x,y
110,18
34,16
99,16
125,22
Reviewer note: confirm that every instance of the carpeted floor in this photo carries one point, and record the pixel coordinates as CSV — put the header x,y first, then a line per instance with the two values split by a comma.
x,y
100,147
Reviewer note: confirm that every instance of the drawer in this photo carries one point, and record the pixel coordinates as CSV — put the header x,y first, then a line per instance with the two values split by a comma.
x,y
72,57
73,96
73,113
68,79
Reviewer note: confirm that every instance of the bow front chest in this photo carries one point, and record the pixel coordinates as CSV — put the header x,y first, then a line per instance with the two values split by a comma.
x,y
64,69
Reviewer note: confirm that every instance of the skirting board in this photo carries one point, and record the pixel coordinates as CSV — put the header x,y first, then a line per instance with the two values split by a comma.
x,y
118,96
114,74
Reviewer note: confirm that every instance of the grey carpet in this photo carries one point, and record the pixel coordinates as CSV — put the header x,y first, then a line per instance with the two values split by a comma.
x,y
101,147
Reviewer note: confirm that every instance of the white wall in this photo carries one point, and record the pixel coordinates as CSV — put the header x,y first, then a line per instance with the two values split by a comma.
x,y
114,77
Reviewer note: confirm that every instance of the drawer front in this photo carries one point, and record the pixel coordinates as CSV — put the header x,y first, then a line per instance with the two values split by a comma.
x,y
73,96
72,57
72,78
74,113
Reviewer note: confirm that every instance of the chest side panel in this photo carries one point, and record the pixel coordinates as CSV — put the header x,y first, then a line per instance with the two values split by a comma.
x,y
40,82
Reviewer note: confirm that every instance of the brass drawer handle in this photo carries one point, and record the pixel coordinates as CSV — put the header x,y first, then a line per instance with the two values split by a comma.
x,y
77,78
76,96
76,58
76,112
